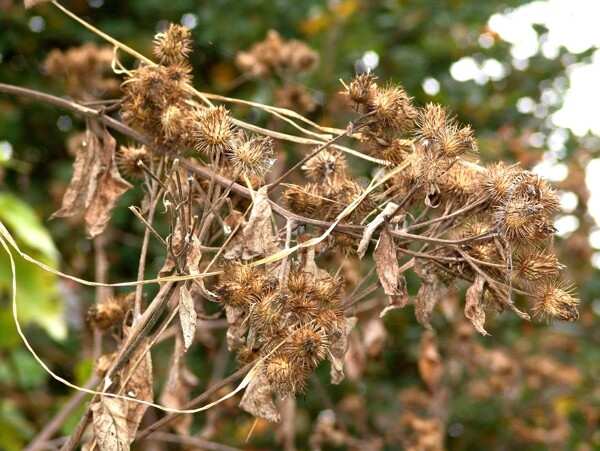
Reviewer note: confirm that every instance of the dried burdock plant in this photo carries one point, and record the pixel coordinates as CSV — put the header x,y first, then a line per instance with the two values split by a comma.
x,y
278,264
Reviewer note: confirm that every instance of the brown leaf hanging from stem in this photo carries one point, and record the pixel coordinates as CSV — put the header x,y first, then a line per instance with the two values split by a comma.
x,y
259,238
187,316
337,351
96,185
430,292
139,385
473,309
258,399
109,417
388,271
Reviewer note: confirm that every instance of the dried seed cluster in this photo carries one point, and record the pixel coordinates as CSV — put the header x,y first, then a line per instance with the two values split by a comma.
x,y
111,312
276,55
330,193
291,325
82,69
158,100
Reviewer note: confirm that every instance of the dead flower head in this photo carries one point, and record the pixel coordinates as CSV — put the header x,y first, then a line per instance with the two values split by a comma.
x,y
555,301
214,132
251,156
326,164
127,160
173,45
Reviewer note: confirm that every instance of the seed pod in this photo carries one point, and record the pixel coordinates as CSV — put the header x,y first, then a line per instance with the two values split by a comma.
x,y
327,164
536,265
174,45
110,312
392,109
283,376
362,88
127,158
214,132
307,346
556,302
251,156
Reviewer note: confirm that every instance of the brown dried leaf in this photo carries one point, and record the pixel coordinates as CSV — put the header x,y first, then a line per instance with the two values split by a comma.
x,y
337,351
176,391
109,417
139,385
258,399
473,310
374,225
238,326
96,184
430,362
187,316
194,256
388,271
430,291
259,238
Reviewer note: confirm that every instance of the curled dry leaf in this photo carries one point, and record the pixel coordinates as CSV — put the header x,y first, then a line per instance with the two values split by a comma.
x,y
388,271
259,238
389,209
337,351
96,185
176,391
109,417
138,386
187,316
258,399
430,362
430,291
473,309
238,326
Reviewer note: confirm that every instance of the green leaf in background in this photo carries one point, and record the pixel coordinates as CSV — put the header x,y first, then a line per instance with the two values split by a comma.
x,y
37,293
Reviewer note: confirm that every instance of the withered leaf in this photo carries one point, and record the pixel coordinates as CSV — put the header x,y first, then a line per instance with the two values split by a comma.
x,y
258,399
194,256
238,326
388,271
430,291
109,417
430,362
176,391
337,351
373,226
138,386
259,238
473,309
96,185
187,316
